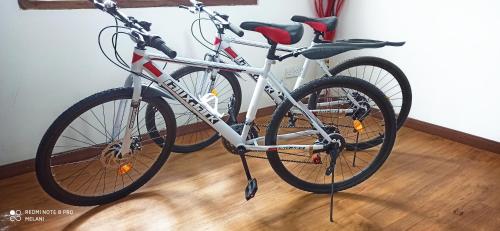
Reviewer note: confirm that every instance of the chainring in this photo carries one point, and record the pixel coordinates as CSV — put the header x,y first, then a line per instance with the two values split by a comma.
x,y
238,128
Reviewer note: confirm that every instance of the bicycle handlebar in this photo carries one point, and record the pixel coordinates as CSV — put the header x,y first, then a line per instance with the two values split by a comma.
x,y
159,44
199,7
236,30
141,27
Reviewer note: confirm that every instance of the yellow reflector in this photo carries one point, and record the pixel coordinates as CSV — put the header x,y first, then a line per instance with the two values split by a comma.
x,y
124,168
214,92
358,125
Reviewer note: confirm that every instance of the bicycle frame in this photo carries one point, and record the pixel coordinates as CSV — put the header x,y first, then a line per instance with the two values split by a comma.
x,y
222,43
142,62
117,152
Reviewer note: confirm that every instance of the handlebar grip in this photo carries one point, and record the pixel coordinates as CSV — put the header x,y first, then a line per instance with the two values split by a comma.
x,y
236,30
159,44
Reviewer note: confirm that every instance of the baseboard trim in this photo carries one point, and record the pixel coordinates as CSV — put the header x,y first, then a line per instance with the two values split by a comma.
x,y
25,166
17,168
457,136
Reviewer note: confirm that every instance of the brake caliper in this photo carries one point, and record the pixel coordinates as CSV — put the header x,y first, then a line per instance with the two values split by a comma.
x,y
363,110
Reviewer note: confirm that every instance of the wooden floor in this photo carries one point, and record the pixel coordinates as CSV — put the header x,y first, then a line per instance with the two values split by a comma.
x,y
428,183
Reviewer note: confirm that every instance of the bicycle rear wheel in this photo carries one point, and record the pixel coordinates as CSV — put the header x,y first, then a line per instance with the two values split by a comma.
x,y
193,134
306,170
79,162
384,75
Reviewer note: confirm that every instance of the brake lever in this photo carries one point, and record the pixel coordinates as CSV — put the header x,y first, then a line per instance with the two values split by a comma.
x,y
145,25
136,36
190,9
223,16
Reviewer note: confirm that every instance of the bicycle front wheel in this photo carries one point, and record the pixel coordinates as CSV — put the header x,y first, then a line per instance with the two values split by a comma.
x,y
352,122
79,160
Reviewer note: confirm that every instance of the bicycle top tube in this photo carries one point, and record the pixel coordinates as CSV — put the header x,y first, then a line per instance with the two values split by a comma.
x,y
246,42
208,64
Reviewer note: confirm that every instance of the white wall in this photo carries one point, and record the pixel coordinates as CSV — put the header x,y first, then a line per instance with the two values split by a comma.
x,y
451,58
50,60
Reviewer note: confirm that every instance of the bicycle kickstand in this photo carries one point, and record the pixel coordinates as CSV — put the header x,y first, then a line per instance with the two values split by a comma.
x,y
334,153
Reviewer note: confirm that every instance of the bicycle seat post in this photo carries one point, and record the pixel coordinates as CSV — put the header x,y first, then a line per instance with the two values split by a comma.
x,y
271,53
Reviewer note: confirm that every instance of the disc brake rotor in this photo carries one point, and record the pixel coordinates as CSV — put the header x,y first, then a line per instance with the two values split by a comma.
x,y
112,156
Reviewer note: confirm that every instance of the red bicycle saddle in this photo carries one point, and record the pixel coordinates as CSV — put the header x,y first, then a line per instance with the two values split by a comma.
x,y
318,24
276,33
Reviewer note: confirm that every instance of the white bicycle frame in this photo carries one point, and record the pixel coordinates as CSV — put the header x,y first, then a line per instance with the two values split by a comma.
x,y
223,44
143,62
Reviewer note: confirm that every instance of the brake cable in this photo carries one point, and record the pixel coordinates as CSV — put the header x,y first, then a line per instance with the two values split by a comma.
x,y
202,34
114,41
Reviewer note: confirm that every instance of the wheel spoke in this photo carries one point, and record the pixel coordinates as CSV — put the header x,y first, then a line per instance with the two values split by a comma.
x,y
354,156
82,167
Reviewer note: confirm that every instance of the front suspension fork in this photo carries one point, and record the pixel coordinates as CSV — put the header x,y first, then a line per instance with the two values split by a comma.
x,y
135,81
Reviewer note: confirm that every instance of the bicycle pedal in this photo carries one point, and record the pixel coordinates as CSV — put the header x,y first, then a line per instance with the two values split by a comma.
x,y
251,189
329,171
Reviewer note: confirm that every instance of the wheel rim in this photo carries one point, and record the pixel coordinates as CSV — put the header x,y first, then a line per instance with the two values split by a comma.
x,y
85,160
304,166
381,77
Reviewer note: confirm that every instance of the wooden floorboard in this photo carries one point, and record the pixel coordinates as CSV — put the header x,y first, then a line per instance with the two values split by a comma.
x,y
428,183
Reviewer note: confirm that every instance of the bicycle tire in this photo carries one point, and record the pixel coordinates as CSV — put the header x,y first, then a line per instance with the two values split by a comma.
x,y
43,157
390,67
310,88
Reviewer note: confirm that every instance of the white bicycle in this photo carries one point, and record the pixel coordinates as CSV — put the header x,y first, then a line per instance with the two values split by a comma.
x,y
99,150
380,72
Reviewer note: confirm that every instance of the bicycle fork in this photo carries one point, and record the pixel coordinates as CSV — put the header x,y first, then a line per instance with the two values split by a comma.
x,y
135,81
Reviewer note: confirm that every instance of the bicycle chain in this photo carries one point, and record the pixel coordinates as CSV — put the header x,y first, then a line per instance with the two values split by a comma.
x,y
266,125
281,126
309,127
285,160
